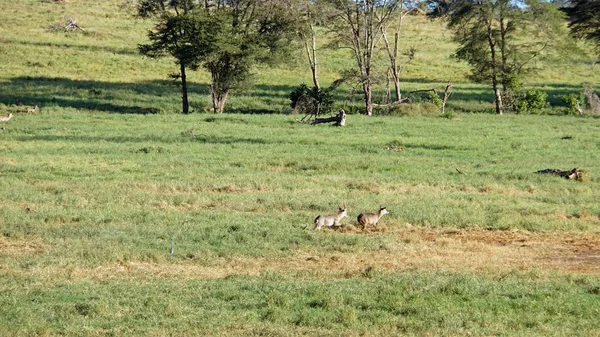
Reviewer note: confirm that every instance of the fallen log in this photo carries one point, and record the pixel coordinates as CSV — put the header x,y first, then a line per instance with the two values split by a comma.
x,y
574,174
339,119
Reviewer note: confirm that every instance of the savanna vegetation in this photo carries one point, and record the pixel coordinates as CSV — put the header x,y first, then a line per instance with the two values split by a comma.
x,y
120,216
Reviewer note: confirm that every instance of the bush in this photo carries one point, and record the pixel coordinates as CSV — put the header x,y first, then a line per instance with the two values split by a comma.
x,y
531,101
435,99
572,103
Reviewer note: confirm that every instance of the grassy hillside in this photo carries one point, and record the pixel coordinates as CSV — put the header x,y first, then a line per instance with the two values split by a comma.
x,y
95,189
100,69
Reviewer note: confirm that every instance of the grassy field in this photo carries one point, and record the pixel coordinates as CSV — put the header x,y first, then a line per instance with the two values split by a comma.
x,y
97,185
91,202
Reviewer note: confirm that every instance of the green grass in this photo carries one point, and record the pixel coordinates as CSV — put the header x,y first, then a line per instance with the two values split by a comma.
x,y
94,187
415,304
97,175
91,190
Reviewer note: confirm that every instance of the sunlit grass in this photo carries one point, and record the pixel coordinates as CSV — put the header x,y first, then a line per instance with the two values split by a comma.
x,y
97,185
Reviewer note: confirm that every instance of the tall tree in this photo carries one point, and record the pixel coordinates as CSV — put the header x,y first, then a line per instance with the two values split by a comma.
x,y
393,48
307,10
584,17
226,37
358,25
172,35
500,38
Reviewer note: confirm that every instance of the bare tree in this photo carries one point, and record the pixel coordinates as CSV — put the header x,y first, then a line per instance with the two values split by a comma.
x,y
309,37
392,49
358,25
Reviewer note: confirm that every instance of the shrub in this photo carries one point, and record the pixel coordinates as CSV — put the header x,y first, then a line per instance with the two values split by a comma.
x,y
435,99
572,103
531,101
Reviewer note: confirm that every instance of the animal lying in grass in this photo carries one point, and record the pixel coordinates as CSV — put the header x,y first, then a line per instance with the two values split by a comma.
x,y
366,219
331,219
6,118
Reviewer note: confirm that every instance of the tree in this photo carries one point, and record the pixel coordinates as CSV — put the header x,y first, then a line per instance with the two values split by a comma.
x,y
225,37
584,19
172,35
500,38
358,25
392,49
308,36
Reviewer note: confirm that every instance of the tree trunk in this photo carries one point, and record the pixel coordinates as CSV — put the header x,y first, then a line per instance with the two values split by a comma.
x,y
368,91
396,77
311,51
393,56
218,100
184,91
217,93
503,55
498,97
492,45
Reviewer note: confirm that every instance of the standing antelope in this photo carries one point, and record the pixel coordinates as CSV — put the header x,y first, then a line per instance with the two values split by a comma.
x,y
365,219
331,219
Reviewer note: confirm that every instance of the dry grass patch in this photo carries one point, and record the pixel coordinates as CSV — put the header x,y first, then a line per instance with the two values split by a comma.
x,y
472,250
20,247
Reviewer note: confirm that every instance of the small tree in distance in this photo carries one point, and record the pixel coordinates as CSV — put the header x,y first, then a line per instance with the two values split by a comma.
x,y
173,35
357,25
500,38
584,16
225,37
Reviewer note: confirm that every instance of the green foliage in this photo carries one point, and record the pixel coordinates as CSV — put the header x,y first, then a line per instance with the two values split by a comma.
x,y
226,40
448,114
531,102
435,99
572,101
584,19
492,34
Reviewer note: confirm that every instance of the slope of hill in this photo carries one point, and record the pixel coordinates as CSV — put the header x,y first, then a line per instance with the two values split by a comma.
x,y
100,69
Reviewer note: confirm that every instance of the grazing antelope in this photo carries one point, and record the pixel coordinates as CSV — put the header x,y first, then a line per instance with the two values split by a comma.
x,y
331,219
365,219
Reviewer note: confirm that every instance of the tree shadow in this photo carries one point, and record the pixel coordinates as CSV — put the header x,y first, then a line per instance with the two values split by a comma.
x,y
200,138
159,96
72,46
111,97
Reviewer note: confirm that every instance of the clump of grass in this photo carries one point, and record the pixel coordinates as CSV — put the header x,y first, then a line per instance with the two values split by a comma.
x,y
413,109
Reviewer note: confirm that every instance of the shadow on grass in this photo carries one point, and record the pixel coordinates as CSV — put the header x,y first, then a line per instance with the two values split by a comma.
x,y
208,139
72,46
159,96
149,97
